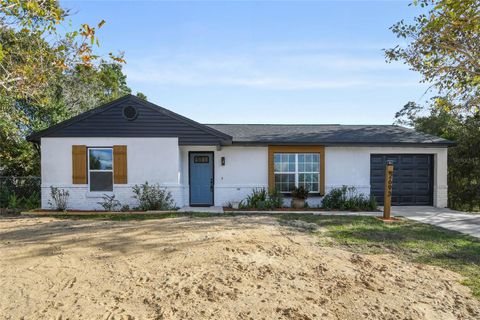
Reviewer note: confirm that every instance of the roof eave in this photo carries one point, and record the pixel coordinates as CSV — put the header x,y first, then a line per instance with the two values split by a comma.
x,y
346,144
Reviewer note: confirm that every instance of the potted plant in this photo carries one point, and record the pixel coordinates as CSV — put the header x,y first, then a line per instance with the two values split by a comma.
x,y
299,194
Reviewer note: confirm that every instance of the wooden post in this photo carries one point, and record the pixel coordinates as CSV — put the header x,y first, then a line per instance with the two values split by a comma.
x,y
387,200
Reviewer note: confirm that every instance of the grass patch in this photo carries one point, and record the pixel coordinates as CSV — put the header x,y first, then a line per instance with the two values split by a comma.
x,y
410,241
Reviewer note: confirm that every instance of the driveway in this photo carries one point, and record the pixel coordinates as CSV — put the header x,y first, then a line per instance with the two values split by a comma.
x,y
445,218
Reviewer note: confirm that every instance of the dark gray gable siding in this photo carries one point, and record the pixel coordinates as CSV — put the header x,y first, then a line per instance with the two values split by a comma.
x,y
152,121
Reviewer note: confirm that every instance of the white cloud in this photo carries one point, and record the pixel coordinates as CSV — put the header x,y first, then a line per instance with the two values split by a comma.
x,y
277,68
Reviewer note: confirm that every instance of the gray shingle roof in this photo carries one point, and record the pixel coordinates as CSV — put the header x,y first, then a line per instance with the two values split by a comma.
x,y
155,121
328,134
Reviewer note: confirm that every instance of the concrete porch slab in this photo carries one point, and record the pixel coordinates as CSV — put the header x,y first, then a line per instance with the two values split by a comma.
x,y
212,209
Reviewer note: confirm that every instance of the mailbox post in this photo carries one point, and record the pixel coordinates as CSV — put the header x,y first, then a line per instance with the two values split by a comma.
x,y
387,201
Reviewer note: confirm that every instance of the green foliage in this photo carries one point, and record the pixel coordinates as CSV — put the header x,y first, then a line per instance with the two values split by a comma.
x,y
464,166
275,198
300,193
442,45
4,196
109,203
255,200
48,73
45,23
153,197
20,192
59,198
348,198
29,203
70,94
261,199
125,208
142,96
32,201
83,88
463,159
13,202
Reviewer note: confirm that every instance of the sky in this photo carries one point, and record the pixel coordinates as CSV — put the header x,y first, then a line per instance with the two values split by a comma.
x,y
260,61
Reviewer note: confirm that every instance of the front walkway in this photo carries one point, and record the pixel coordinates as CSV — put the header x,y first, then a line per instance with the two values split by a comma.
x,y
445,218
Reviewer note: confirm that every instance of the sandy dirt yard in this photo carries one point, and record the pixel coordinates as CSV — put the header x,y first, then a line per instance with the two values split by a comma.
x,y
211,268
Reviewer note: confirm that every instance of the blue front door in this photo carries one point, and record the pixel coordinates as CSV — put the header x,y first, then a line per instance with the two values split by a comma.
x,y
201,178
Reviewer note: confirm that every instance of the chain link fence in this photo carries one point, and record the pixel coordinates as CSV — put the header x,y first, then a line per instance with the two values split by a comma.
x,y
18,193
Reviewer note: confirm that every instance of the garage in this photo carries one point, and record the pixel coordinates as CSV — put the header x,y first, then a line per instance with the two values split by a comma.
x,y
412,178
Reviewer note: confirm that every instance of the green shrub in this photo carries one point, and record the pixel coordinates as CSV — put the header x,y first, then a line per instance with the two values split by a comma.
x,y
255,200
262,200
348,198
59,199
125,208
26,190
4,197
109,203
14,201
276,198
153,197
300,193
32,201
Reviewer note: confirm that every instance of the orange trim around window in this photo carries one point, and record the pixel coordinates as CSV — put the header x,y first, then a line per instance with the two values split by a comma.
x,y
296,149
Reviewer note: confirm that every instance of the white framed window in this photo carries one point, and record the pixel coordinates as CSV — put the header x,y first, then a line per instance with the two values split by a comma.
x,y
297,169
100,169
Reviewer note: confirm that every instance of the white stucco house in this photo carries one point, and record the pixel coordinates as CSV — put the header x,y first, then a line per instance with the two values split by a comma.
x,y
129,141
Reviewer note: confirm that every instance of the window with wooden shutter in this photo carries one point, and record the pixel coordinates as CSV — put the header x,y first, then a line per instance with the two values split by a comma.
x,y
100,169
79,164
120,164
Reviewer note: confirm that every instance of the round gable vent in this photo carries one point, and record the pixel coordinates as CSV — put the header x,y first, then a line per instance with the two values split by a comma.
x,y
130,112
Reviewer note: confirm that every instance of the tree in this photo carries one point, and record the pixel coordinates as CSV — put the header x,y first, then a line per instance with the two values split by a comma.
x,y
443,45
434,121
70,94
24,75
46,76
142,96
81,89
21,113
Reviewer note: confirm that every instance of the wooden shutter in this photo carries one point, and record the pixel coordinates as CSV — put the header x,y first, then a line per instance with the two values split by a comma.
x,y
120,164
79,164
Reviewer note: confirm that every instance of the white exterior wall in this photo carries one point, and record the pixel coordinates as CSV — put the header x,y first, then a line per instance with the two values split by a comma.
x,y
161,160
155,160
246,168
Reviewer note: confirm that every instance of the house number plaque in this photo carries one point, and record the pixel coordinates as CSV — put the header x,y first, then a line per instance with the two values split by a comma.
x,y
387,201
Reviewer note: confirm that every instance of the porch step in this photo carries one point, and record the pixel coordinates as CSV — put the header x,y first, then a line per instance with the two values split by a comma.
x,y
212,209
